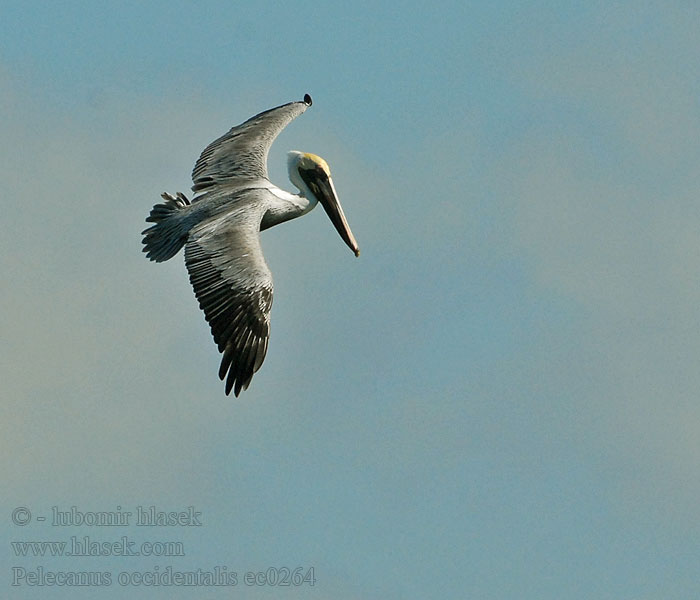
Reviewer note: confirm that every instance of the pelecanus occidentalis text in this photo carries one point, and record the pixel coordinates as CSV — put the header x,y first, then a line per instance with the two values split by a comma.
x,y
220,230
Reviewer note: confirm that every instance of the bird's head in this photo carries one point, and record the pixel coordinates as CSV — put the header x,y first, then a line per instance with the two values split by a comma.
x,y
311,174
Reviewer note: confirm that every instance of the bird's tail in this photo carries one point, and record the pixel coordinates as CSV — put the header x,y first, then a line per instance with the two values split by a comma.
x,y
164,239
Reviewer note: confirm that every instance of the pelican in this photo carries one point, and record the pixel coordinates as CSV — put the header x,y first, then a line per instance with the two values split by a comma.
x,y
220,230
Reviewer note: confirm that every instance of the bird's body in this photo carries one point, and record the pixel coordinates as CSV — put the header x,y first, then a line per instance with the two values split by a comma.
x,y
220,230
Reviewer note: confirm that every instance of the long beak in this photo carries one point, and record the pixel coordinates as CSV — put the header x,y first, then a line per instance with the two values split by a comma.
x,y
326,195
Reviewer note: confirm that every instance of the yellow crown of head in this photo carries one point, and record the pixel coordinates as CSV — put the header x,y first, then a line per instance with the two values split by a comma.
x,y
317,160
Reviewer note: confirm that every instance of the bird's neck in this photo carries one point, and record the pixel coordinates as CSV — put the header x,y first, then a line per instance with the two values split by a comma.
x,y
285,206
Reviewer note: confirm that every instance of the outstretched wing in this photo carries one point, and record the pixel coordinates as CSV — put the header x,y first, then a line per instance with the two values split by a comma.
x,y
234,287
242,152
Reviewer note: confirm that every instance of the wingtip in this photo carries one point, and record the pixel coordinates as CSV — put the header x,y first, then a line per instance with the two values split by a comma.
x,y
307,100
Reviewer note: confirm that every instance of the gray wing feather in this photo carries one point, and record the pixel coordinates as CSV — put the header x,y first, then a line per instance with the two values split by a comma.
x,y
234,287
242,152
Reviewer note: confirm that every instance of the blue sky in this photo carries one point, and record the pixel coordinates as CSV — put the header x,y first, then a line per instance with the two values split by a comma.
x,y
498,399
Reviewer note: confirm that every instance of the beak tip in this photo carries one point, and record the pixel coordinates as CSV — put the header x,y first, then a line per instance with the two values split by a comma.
x,y
357,253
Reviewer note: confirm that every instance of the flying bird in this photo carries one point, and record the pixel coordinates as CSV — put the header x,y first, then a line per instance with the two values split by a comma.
x,y
220,230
